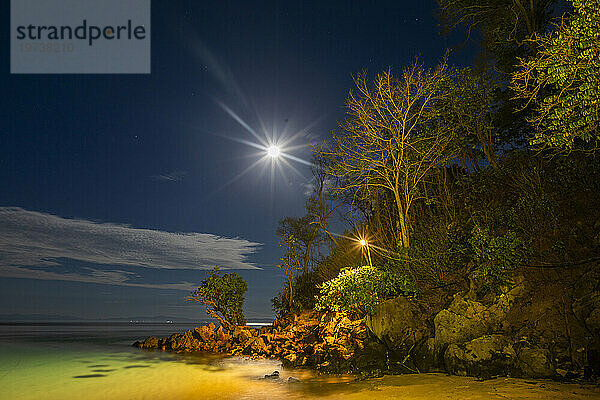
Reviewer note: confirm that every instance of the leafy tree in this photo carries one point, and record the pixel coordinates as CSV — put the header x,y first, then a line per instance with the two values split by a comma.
x,y
503,28
223,297
393,138
474,113
306,286
562,80
312,230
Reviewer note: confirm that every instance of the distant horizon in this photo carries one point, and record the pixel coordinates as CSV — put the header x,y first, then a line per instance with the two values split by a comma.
x,y
26,318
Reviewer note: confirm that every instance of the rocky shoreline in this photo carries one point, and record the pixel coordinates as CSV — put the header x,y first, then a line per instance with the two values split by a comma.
x,y
329,343
468,338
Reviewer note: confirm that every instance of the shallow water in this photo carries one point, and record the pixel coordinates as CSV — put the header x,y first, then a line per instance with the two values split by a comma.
x,y
47,363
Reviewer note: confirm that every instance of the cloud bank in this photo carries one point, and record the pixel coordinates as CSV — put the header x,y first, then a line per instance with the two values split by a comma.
x,y
112,277
29,238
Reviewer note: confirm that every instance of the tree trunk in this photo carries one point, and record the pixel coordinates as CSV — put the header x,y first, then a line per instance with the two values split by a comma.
x,y
225,324
211,309
402,218
491,156
308,246
290,289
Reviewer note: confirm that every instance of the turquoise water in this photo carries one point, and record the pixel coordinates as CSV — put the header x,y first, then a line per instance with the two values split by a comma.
x,y
96,361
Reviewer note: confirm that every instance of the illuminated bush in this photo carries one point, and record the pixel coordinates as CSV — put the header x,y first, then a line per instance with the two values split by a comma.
x,y
358,291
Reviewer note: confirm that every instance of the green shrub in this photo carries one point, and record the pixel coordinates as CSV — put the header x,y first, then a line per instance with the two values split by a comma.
x,y
495,257
358,291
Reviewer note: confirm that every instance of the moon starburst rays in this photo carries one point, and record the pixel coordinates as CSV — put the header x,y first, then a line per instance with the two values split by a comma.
x,y
275,148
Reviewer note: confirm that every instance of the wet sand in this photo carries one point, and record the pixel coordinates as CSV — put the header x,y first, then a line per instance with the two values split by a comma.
x,y
441,386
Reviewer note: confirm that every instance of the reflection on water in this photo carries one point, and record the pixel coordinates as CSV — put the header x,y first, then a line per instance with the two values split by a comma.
x,y
67,370
104,367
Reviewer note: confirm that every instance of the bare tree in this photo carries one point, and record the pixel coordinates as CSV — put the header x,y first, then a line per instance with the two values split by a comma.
x,y
323,202
393,137
303,234
290,262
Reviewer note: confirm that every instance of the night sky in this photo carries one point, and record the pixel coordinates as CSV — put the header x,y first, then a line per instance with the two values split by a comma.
x,y
100,173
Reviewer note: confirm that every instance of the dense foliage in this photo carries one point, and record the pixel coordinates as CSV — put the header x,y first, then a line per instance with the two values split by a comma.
x,y
358,291
223,296
562,79
495,257
501,25
434,167
306,285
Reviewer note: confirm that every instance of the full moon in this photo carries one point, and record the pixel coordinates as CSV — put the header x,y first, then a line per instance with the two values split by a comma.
x,y
273,151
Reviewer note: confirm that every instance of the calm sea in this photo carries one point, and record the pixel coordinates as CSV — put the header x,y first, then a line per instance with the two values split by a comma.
x,y
63,361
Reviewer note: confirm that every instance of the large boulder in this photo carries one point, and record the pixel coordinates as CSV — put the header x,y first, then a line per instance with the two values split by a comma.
x,y
185,342
397,323
255,346
220,335
466,319
242,335
172,342
486,356
403,329
150,343
535,363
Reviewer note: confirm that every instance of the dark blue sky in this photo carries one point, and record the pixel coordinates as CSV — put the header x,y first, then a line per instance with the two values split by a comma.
x,y
153,151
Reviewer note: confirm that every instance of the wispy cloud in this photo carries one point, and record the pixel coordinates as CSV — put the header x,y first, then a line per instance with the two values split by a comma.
x,y
174,176
29,238
116,277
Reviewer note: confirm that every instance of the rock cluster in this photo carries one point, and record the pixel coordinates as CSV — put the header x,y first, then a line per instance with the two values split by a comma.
x,y
515,334
326,342
469,338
